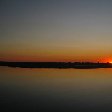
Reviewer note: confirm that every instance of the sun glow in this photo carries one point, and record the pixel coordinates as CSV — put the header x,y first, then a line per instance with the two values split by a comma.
x,y
110,62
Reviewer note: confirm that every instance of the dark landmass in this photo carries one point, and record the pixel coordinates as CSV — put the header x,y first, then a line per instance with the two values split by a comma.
x,y
78,65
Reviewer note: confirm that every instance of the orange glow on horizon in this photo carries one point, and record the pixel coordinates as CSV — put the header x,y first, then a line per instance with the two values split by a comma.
x,y
55,59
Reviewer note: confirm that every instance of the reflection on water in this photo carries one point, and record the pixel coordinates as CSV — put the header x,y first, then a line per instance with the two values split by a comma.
x,y
56,90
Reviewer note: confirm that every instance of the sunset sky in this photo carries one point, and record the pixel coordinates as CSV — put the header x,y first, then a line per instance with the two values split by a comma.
x,y
56,30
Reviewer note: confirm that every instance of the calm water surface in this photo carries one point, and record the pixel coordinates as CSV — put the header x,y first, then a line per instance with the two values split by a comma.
x,y
55,90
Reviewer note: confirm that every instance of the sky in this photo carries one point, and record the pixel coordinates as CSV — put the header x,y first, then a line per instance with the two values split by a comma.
x,y
56,30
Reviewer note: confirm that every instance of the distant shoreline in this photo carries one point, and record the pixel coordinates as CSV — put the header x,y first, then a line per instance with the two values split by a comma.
x,y
77,65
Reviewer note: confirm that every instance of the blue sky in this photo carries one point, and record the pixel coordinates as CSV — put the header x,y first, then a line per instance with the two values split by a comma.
x,y
72,29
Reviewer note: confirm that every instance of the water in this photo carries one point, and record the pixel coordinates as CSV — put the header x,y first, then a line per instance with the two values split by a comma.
x,y
55,90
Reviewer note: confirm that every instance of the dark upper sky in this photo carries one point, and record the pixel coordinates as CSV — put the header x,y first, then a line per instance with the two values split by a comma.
x,y
55,30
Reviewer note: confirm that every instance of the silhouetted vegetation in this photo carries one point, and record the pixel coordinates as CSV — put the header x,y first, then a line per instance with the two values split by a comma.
x,y
78,65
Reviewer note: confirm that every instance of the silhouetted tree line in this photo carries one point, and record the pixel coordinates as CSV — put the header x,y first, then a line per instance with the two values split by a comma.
x,y
56,64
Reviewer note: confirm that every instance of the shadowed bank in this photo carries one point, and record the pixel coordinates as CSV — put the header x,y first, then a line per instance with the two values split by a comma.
x,y
78,65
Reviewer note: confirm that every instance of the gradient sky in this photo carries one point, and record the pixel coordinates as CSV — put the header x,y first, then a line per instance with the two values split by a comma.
x,y
56,30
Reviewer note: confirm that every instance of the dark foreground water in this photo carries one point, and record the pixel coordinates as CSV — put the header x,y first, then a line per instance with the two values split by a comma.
x,y
55,90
